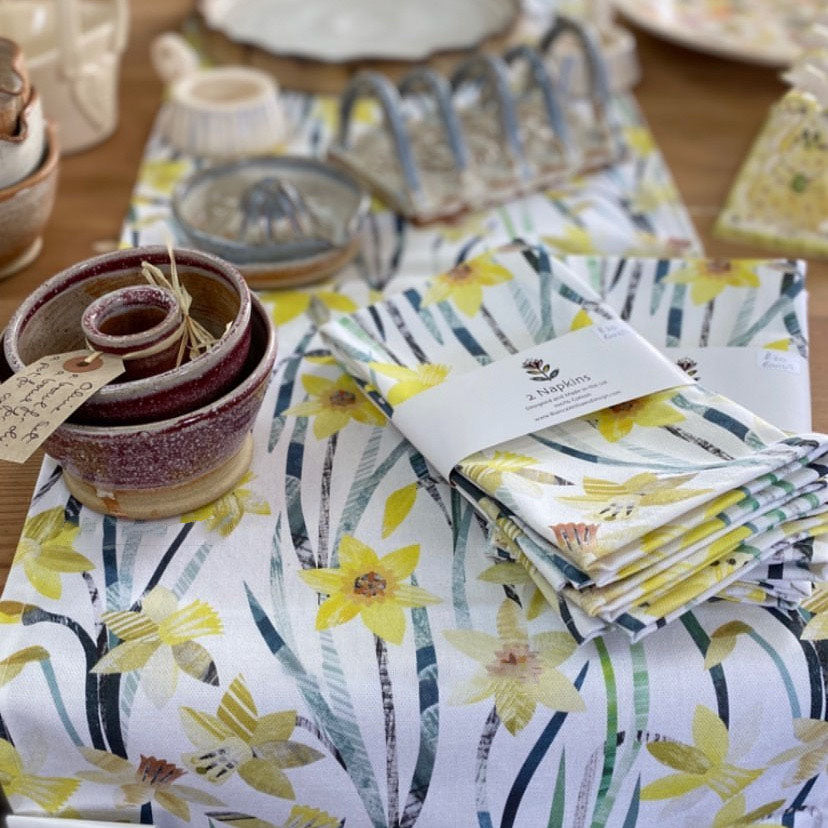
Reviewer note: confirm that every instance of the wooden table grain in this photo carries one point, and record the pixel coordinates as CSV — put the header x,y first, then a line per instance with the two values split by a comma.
x,y
704,112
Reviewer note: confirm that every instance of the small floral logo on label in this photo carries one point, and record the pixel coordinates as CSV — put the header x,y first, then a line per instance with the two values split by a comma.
x,y
539,370
689,366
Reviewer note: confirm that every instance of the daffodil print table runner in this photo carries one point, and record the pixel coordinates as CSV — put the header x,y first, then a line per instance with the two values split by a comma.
x,y
633,513
341,638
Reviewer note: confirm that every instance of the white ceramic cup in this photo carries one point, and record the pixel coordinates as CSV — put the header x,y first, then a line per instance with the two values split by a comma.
x,y
73,50
225,112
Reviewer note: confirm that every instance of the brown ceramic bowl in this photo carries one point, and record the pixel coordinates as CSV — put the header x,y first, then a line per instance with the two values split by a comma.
x,y
154,470
49,322
25,208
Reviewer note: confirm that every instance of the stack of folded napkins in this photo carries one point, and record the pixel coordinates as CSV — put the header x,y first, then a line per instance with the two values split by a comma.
x,y
525,390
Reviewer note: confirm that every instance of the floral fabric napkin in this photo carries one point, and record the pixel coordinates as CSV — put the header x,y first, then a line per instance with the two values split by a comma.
x,y
780,196
738,326
634,513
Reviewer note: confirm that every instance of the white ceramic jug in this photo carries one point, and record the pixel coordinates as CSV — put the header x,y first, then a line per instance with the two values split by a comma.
x,y
73,50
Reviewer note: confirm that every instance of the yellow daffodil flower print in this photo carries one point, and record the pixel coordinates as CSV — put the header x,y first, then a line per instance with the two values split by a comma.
x,y
651,411
290,304
237,738
702,764
709,277
159,641
12,666
46,551
514,574
725,501
574,239
300,816
464,284
581,319
153,780
369,586
518,671
489,471
333,404
783,344
649,196
817,628
225,514
649,244
723,641
607,500
161,175
410,381
464,228
365,111
47,792
732,814
811,756
11,612
639,139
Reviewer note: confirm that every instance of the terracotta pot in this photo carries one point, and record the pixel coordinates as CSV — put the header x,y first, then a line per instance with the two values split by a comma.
x,y
49,322
155,470
25,208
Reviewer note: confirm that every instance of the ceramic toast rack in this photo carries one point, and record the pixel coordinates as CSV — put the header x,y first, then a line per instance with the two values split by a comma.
x,y
497,128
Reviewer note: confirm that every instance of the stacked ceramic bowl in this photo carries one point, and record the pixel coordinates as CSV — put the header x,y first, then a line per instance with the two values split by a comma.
x,y
28,163
164,438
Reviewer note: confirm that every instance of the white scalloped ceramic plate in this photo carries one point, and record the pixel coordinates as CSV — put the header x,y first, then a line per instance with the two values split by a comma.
x,y
341,30
766,32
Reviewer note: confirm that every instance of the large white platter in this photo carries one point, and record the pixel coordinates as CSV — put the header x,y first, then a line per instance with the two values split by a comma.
x,y
342,30
767,32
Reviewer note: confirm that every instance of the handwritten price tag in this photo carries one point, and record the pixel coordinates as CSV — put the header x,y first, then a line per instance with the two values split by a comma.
x,y
36,400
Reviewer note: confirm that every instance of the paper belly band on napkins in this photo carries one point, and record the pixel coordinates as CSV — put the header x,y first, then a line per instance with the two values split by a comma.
x,y
772,384
536,388
663,485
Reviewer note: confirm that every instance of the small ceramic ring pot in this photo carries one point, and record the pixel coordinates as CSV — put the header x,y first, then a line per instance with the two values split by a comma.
x,y
142,324
223,112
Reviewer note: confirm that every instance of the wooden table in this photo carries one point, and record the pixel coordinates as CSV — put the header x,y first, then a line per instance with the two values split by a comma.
x,y
704,112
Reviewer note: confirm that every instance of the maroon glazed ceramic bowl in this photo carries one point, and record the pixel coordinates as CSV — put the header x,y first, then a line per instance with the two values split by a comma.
x,y
154,470
49,322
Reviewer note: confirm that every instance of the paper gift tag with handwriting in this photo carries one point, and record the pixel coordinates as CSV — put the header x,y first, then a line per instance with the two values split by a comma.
x,y
36,400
